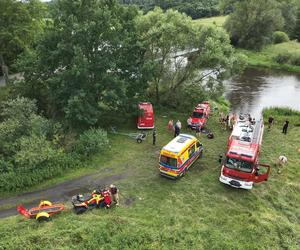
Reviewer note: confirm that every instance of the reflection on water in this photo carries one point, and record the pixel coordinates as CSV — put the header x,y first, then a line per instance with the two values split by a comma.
x,y
257,89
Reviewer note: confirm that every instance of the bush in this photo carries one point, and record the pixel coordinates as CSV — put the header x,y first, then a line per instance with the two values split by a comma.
x,y
283,58
90,142
280,37
295,59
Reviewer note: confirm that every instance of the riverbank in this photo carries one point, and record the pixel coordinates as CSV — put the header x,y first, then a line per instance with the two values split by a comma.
x,y
283,56
196,211
271,54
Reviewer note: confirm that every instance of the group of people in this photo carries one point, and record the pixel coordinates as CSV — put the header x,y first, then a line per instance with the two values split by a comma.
x,y
228,121
176,128
110,195
284,128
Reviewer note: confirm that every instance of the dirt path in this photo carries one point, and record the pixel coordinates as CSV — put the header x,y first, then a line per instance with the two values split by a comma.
x,y
59,193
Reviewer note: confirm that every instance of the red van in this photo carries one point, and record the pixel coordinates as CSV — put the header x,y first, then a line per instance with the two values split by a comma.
x,y
146,119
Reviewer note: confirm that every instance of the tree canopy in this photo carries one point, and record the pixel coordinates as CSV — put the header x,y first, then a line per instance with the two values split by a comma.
x,y
88,64
21,24
253,22
193,8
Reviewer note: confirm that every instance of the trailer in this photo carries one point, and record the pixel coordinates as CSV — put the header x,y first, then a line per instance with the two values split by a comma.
x,y
43,212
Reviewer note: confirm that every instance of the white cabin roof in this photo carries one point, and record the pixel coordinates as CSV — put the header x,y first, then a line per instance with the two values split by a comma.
x,y
179,142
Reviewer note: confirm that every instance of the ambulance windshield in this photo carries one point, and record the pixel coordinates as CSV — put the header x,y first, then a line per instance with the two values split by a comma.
x,y
244,166
172,162
198,115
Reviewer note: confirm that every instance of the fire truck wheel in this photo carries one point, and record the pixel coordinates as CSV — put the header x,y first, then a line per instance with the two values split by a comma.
x,y
80,210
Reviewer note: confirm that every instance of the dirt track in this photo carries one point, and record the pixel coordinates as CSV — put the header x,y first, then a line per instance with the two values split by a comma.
x,y
61,192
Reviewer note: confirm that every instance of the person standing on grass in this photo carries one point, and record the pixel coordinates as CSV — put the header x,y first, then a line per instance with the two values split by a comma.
x,y
189,122
154,136
285,127
270,122
178,124
171,125
177,130
114,191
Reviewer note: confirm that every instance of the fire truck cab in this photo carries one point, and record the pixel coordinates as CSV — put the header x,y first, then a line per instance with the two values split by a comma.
x,y
200,116
241,168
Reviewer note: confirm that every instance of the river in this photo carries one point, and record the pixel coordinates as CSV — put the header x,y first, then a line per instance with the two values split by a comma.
x,y
256,89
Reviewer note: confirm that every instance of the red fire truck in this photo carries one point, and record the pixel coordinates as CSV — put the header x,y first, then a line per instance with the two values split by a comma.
x,y
145,118
241,168
199,117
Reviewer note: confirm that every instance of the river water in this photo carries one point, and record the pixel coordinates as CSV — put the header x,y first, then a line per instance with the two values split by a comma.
x,y
256,89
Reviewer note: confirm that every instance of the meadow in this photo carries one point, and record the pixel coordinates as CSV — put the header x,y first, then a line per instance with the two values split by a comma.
x,y
282,56
194,212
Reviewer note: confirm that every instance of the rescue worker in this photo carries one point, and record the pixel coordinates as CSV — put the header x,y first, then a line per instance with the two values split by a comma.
x,y
285,127
189,122
177,130
178,124
270,122
106,202
114,191
154,136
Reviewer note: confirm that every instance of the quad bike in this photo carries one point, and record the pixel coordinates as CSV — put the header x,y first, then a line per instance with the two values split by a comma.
x,y
97,199
43,212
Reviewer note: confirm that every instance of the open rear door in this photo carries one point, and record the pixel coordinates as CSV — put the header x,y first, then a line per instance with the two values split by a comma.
x,y
264,175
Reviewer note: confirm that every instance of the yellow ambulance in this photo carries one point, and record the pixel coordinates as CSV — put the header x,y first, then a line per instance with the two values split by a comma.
x,y
178,155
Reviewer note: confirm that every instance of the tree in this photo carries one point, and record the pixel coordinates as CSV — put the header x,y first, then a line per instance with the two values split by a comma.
x,y
21,24
178,49
289,13
253,22
297,26
88,64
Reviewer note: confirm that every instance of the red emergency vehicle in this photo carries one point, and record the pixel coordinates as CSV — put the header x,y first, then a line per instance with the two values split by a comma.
x,y
145,118
200,115
241,168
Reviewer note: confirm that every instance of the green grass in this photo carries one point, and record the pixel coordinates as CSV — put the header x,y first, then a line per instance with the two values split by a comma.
x,y
265,58
219,21
195,212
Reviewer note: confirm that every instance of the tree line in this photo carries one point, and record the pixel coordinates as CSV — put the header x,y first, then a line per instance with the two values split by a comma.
x,y
193,8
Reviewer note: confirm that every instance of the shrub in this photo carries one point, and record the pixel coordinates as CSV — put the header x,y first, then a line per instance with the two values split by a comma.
x,y
295,59
283,58
90,142
280,37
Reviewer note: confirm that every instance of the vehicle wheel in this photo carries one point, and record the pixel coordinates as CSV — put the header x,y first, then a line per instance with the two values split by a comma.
x,y
139,140
201,154
80,210
45,204
42,216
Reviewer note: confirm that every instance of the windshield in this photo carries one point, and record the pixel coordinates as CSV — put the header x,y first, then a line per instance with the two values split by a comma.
x,y
197,115
244,166
172,162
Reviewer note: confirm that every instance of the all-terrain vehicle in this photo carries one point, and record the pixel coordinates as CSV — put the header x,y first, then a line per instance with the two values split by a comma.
x,y
97,199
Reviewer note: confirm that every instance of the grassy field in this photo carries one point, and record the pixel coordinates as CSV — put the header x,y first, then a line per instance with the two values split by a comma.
x,y
218,20
265,58
195,212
